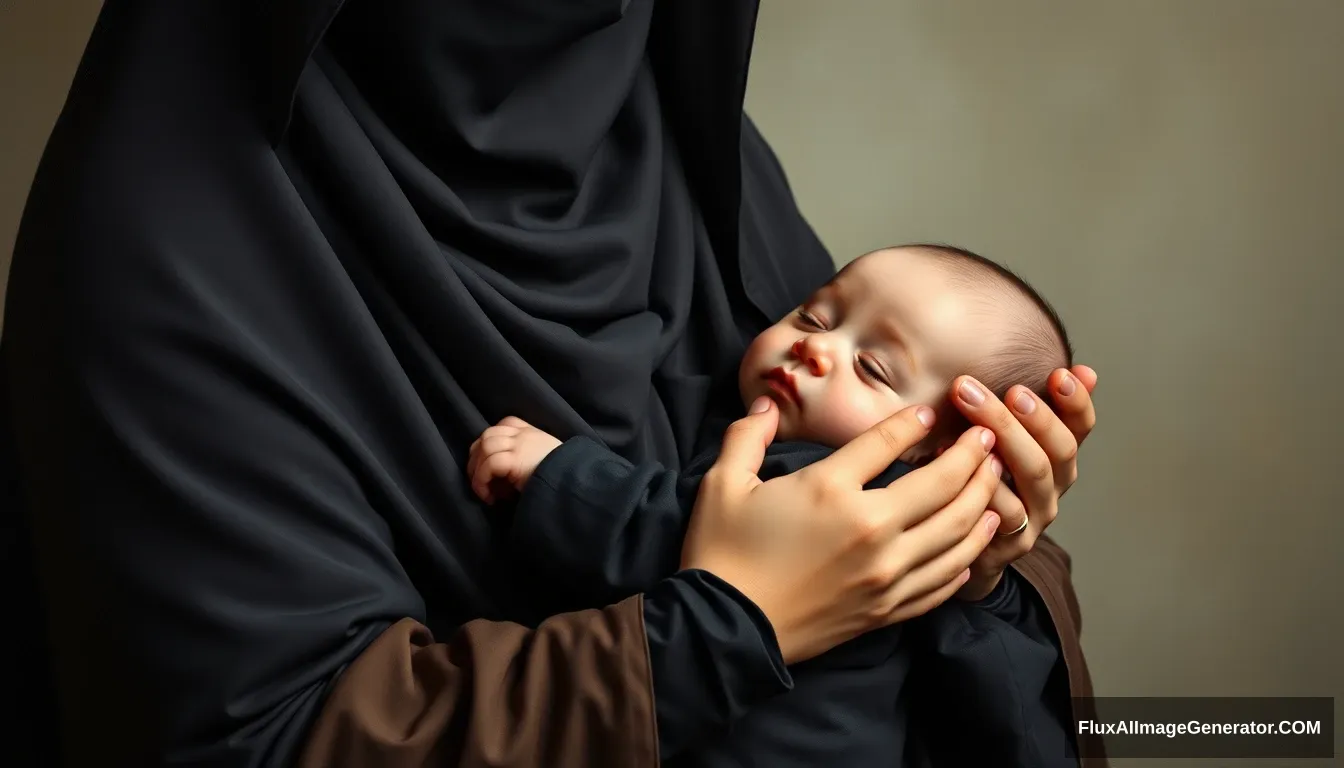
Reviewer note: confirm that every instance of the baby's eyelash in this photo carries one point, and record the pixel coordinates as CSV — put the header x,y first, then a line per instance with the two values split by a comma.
x,y
873,370
809,318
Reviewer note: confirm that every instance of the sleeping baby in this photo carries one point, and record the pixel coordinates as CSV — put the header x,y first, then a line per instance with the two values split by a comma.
x,y
890,330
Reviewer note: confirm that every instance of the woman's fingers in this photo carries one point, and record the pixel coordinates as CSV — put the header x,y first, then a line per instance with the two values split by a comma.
x,y
1074,402
1050,433
1086,376
1009,509
921,605
946,569
744,443
866,456
1033,473
939,533
933,486
824,559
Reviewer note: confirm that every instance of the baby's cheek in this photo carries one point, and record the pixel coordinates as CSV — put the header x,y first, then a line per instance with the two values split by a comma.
x,y
846,418
765,352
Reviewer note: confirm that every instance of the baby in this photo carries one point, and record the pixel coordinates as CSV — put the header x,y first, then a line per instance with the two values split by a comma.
x,y
890,330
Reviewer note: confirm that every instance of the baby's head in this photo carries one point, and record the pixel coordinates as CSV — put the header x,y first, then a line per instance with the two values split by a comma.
x,y
893,329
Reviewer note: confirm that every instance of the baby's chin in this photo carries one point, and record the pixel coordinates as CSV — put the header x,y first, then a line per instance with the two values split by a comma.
x,y
785,433
791,431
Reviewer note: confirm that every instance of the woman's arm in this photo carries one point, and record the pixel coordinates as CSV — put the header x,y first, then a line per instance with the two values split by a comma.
x,y
573,691
220,538
237,502
211,530
235,510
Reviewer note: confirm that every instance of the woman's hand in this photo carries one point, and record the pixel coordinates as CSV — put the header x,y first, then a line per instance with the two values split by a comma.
x,y
1040,448
826,560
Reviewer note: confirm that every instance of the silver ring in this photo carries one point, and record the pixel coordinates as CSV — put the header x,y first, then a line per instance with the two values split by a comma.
x,y
1020,528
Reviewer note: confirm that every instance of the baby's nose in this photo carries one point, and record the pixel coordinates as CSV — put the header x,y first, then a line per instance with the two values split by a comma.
x,y
813,352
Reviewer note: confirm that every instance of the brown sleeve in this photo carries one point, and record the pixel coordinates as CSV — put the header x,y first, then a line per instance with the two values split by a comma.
x,y
576,691
1048,569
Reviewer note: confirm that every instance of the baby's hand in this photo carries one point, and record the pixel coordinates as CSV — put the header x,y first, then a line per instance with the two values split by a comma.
x,y
504,457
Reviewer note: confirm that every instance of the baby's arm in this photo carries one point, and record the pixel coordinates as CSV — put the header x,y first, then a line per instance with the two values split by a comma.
x,y
588,521
594,520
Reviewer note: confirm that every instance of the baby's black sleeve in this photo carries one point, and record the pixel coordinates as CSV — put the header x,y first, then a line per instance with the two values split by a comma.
x,y
595,528
592,528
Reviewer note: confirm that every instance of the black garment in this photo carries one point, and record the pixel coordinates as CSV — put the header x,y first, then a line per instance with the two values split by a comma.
x,y
592,528
244,376
281,262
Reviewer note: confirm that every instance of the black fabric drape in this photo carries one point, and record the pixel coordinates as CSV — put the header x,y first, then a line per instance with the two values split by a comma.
x,y
252,329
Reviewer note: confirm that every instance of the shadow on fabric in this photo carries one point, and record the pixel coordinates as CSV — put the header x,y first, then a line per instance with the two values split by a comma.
x,y
29,733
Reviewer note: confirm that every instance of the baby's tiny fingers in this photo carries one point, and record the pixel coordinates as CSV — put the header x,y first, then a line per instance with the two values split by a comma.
x,y
500,430
497,442
492,466
473,453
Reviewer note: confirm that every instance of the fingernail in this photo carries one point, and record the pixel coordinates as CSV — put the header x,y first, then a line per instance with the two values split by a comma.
x,y
970,393
761,405
996,466
992,524
925,416
1066,385
987,439
1024,403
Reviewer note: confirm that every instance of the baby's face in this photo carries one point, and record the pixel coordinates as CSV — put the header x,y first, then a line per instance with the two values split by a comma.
x,y
891,330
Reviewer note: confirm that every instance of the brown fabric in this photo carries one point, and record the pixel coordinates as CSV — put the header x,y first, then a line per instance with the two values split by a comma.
x,y
1048,569
411,701
576,691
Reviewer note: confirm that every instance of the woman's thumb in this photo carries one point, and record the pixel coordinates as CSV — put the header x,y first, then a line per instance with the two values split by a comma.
x,y
746,439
